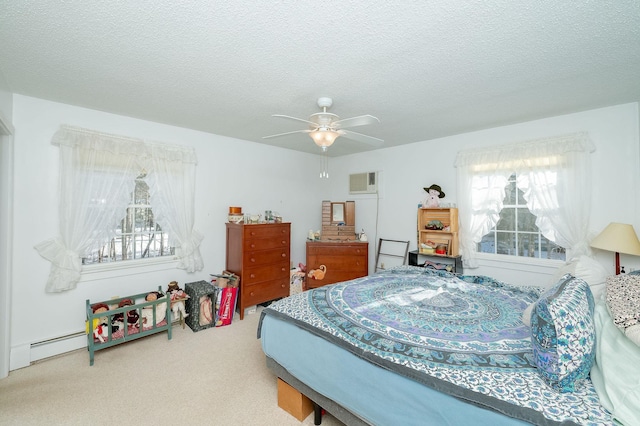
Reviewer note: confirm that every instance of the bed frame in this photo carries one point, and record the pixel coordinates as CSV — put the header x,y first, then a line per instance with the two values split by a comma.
x,y
320,402
128,333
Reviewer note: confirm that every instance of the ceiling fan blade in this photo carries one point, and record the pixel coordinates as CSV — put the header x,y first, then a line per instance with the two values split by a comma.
x,y
370,140
361,120
286,133
295,118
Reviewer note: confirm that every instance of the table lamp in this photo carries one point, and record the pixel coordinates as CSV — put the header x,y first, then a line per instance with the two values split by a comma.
x,y
619,238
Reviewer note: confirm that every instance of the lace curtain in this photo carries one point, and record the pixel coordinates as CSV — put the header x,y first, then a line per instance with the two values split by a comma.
x,y
97,176
553,174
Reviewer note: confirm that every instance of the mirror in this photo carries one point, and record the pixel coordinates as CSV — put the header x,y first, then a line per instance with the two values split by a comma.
x,y
337,212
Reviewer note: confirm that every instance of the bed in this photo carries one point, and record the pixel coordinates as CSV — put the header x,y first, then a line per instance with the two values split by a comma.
x,y
116,321
417,346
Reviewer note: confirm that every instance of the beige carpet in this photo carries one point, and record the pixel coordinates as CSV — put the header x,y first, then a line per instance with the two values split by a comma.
x,y
216,376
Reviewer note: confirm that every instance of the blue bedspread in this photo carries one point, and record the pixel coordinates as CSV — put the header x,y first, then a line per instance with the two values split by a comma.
x,y
462,336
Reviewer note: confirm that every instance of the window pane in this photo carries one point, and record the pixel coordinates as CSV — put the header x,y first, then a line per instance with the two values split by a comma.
x,y
527,244
526,220
488,243
510,193
507,219
506,243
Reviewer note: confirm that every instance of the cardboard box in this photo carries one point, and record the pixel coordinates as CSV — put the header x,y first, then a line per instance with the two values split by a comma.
x,y
293,402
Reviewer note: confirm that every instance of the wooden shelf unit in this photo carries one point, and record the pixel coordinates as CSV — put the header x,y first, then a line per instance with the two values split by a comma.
x,y
449,218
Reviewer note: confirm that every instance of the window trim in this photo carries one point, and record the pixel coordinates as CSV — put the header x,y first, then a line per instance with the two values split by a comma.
x,y
100,271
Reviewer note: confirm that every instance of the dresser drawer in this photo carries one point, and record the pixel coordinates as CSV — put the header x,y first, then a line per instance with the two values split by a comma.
x,y
262,292
269,231
266,243
252,275
334,276
338,250
262,257
338,263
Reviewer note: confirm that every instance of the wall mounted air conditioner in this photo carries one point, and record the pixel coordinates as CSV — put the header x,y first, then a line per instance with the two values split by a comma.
x,y
363,183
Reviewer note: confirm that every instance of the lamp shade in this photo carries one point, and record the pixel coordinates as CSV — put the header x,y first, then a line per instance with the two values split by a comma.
x,y
618,237
324,137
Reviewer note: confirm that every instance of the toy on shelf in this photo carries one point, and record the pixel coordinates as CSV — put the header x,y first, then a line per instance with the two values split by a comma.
x,y
434,193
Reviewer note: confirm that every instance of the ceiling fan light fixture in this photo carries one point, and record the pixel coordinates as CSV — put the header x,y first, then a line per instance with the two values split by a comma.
x,y
324,137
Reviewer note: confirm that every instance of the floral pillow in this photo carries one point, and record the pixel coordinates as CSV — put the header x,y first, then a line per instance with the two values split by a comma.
x,y
563,333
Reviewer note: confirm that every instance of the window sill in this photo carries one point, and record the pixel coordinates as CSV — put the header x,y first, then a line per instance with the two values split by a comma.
x,y
128,267
518,262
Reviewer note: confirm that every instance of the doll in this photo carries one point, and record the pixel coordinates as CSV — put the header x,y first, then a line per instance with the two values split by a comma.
x,y
178,296
434,193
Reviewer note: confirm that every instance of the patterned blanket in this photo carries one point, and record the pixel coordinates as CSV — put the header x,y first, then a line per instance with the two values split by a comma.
x,y
460,335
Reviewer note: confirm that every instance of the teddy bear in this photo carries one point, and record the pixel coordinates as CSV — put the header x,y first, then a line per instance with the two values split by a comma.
x,y
434,193
178,296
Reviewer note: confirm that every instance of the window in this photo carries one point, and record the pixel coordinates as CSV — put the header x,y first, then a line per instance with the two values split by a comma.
x,y
516,233
550,173
138,236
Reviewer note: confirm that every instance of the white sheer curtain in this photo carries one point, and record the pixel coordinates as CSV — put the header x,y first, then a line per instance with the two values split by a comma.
x,y
552,172
171,180
97,177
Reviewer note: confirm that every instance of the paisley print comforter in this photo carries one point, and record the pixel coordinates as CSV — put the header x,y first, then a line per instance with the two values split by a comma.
x,y
460,335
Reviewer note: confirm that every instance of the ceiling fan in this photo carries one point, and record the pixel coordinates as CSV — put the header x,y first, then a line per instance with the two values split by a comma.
x,y
325,127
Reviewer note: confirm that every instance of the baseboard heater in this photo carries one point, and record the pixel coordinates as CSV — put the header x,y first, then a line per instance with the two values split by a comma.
x,y
57,346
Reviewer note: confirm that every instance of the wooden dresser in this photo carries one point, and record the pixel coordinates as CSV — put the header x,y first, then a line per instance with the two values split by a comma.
x,y
344,260
259,254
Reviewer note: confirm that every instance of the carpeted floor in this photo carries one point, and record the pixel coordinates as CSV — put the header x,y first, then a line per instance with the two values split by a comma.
x,y
216,376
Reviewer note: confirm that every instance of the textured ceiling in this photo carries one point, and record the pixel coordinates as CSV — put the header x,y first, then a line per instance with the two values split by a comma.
x,y
426,69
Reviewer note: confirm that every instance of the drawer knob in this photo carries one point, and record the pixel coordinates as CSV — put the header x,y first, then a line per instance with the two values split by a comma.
x,y
252,276
253,246
252,294
252,260
282,285
284,255
283,242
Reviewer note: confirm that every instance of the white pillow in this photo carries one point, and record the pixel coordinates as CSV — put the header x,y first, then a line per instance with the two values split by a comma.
x,y
588,269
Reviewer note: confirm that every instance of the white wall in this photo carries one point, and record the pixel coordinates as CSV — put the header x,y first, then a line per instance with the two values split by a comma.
x,y
407,169
230,172
233,172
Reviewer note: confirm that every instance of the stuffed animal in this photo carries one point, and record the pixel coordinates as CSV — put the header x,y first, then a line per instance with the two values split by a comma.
x,y
147,311
318,274
132,315
178,296
434,193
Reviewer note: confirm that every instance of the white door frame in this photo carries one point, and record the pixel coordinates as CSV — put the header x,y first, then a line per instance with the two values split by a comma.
x,y
6,242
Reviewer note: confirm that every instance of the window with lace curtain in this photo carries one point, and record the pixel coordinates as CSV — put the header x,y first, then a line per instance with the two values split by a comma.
x,y
137,236
516,233
526,199
101,200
